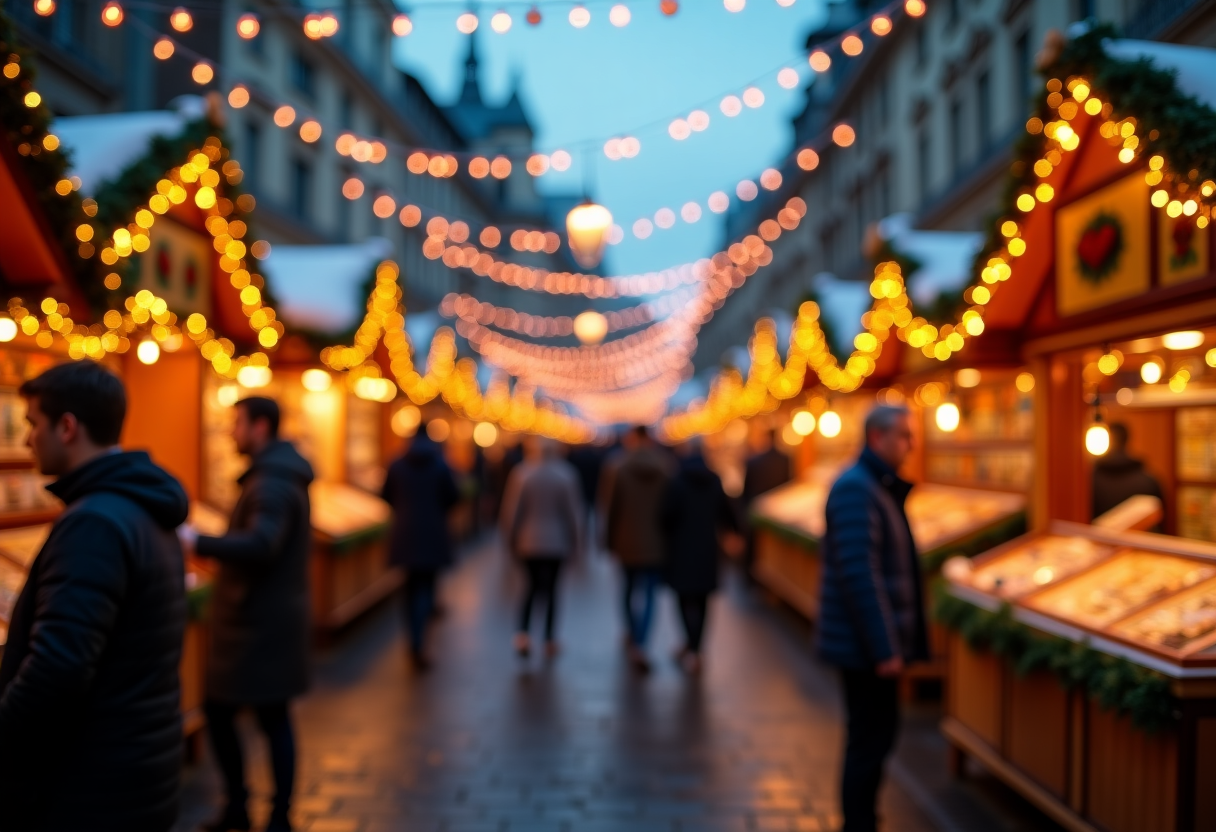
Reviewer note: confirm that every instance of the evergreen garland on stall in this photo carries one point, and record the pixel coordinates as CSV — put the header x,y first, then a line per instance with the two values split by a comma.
x,y
1115,683
24,129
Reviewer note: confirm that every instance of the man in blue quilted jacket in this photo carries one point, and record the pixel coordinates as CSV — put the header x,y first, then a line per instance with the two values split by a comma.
x,y
872,621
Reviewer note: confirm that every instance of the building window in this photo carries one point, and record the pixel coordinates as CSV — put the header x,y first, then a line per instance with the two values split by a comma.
x,y
983,111
952,12
884,102
253,156
256,45
303,76
347,117
1084,9
956,135
923,160
922,44
301,188
884,192
1023,92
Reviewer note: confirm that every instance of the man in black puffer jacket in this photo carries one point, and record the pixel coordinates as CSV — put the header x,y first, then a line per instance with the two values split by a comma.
x,y
872,620
90,724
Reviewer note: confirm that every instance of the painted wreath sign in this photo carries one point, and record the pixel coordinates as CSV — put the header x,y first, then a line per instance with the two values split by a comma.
x,y
1099,248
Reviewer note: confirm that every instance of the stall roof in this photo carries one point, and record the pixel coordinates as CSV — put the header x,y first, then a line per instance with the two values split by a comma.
x,y
320,288
1194,66
945,257
102,146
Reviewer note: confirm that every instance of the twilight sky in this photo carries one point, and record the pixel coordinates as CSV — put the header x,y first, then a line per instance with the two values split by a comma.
x,y
584,86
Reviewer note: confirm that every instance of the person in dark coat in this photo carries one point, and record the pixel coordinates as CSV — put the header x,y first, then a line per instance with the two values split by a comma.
x,y
260,603
90,720
1118,475
695,512
421,489
636,484
763,472
871,622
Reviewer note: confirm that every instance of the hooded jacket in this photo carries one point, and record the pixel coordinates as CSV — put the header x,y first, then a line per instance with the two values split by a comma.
x,y
1117,477
871,604
420,488
260,601
90,722
695,510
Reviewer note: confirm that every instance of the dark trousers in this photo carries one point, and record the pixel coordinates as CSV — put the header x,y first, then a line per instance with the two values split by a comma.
x,y
418,603
542,581
872,703
275,722
693,609
639,581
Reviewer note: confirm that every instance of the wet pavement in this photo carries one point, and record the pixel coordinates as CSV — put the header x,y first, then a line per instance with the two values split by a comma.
x,y
487,741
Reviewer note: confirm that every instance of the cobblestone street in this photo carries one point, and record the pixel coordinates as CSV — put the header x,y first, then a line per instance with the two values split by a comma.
x,y
489,742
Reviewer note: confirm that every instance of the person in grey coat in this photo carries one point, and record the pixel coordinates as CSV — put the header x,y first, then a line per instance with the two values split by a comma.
x,y
259,610
541,523
871,622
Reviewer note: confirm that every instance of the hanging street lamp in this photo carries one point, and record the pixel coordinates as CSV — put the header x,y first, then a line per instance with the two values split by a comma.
x,y
587,227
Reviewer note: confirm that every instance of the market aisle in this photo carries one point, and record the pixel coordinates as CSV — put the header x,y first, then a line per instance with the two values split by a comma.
x,y
487,742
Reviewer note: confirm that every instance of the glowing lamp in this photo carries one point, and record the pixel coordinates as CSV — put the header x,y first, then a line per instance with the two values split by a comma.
x,y
485,434
316,381
587,227
148,352
8,329
803,423
830,424
251,376
1097,437
406,420
590,327
375,389
1187,340
947,417
1150,371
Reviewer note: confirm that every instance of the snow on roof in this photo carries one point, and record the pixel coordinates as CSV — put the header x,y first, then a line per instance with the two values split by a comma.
x,y
1194,66
320,287
946,257
102,146
841,305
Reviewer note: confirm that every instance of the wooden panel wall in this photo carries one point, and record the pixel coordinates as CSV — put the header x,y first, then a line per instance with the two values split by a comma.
x,y
164,413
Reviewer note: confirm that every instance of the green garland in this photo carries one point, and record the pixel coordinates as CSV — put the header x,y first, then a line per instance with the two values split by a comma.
x,y
1115,683
24,128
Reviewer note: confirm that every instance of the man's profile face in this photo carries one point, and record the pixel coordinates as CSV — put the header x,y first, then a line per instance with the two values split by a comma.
x,y
47,438
894,444
242,432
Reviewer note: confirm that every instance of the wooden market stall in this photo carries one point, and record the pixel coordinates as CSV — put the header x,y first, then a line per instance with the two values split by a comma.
x,y
1084,673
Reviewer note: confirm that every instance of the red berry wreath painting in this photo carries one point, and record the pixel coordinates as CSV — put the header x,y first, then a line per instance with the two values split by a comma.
x,y
1102,246
1182,249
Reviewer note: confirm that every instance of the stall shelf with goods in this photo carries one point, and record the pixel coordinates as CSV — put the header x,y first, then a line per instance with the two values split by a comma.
x,y
1083,673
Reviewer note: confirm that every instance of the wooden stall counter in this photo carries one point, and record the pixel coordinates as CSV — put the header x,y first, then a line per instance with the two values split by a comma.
x,y
350,569
1087,678
945,520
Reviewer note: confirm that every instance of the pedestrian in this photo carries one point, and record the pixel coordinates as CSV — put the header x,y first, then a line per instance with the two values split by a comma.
x,y
421,490
872,621
634,535
696,511
1118,475
259,634
541,521
763,472
90,720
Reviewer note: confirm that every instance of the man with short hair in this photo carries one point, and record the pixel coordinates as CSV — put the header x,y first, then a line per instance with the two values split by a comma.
x,y
872,621
259,610
90,721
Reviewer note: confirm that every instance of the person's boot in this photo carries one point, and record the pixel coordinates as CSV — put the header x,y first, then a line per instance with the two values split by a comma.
x,y
233,819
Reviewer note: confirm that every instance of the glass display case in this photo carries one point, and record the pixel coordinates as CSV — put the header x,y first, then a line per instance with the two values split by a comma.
x,y
1151,592
991,445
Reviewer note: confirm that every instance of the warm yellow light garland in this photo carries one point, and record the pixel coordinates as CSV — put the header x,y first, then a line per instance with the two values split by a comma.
x,y
445,376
